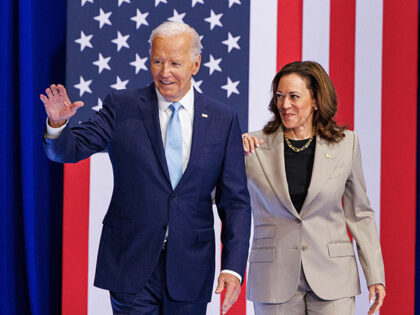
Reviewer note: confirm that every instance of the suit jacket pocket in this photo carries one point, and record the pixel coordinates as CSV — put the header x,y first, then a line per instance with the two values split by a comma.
x,y
266,254
340,249
205,235
264,231
118,222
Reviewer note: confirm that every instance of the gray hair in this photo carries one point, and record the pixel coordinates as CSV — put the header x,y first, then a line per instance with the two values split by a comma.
x,y
167,29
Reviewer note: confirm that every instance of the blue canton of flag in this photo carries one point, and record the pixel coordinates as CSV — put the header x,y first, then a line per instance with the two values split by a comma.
x,y
108,48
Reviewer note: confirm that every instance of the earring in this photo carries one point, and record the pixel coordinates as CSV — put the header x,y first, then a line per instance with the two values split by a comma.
x,y
315,108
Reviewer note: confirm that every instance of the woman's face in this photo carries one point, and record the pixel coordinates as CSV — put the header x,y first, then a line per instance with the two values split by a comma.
x,y
295,103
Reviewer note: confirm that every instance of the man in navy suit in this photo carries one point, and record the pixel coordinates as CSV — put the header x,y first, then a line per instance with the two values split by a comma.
x,y
170,147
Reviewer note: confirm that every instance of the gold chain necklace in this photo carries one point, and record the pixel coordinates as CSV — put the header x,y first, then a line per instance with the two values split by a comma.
x,y
301,148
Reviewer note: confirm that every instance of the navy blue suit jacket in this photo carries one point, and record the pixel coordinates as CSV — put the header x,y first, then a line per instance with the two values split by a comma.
x,y
143,202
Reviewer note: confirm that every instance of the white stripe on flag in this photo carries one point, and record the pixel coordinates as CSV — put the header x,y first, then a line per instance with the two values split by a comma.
x,y
316,32
262,61
101,185
367,108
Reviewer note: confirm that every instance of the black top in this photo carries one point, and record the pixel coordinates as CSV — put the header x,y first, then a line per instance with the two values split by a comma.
x,y
299,170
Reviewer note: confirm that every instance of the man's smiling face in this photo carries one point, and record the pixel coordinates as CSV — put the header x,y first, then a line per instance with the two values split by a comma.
x,y
172,65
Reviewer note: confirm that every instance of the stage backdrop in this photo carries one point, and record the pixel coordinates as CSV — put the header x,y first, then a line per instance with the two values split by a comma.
x,y
368,47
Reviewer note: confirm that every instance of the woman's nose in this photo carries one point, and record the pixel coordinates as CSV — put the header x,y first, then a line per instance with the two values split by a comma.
x,y
284,102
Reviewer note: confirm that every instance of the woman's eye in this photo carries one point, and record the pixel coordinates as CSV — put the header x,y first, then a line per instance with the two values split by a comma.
x,y
293,96
279,96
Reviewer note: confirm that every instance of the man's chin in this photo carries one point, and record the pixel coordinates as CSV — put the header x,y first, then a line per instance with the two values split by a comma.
x,y
168,94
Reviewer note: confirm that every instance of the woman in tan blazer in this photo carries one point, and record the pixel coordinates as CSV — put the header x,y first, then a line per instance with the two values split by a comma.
x,y
307,187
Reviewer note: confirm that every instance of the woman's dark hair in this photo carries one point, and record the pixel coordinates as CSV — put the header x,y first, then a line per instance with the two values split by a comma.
x,y
323,91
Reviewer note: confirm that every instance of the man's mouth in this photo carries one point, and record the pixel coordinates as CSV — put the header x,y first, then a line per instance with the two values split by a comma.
x,y
166,82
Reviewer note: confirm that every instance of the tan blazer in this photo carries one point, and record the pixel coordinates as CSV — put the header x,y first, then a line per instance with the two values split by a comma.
x,y
317,238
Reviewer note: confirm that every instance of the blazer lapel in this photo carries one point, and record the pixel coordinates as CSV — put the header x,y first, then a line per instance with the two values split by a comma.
x,y
325,160
200,124
149,109
271,157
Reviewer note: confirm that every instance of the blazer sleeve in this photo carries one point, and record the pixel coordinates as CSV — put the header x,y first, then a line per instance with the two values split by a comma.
x,y
232,200
360,220
79,142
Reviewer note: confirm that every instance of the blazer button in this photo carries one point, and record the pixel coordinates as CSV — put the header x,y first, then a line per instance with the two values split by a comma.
x,y
172,197
304,247
298,221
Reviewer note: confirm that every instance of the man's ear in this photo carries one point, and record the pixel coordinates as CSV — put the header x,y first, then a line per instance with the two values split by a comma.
x,y
197,64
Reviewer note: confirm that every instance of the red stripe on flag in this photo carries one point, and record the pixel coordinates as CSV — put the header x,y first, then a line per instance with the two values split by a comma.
x,y
75,238
289,31
342,51
398,156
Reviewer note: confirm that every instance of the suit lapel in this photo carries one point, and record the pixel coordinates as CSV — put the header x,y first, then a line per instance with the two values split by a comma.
x,y
150,114
325,160
271,157
200,124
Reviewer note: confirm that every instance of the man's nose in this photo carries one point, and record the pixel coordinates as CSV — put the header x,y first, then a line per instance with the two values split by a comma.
x,y
165,70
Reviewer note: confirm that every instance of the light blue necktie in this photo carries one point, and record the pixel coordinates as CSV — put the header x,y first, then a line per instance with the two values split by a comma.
x,y
173,145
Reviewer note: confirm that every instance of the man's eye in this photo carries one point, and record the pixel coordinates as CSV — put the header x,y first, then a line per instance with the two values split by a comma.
x,y
157,62
293,96
176,64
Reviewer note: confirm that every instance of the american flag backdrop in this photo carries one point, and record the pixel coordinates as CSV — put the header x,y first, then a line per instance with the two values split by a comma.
x,y
369,48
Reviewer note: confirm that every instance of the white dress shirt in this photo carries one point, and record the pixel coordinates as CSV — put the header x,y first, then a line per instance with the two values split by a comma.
x,y
186,117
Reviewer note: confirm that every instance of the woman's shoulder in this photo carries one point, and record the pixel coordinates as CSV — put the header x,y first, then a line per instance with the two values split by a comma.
x,y
259,134
349,136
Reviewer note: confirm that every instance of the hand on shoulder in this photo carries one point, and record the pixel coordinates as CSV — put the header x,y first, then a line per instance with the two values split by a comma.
x,y
250,143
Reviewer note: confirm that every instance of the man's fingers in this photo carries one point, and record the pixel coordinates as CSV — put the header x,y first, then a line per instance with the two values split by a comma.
x,y
54,89
220,286
231,296
77,105
61,90
43,98
227,301
49,93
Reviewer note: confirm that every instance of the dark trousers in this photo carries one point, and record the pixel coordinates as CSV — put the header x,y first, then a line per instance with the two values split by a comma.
x,y
154,298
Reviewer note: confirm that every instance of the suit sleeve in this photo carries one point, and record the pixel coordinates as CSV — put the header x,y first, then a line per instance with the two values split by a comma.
x,y
232,200
79,142
360,220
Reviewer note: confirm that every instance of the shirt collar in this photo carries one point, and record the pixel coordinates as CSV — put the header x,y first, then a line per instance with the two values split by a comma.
x,y
187,101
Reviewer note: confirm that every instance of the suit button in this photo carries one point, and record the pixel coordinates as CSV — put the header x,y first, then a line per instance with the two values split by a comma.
x,y
172,197
298,221
304,247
